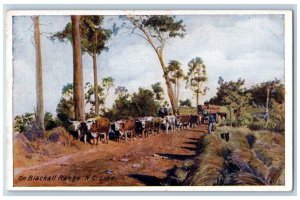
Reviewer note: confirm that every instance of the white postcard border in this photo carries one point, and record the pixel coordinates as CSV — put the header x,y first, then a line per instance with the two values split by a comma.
x,y
288,105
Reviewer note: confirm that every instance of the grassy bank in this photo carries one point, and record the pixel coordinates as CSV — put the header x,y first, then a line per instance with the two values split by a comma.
x,y
248,158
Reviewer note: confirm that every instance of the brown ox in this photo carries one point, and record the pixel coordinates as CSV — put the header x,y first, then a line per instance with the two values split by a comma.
x,y
183,121
100,126
127,127
156,124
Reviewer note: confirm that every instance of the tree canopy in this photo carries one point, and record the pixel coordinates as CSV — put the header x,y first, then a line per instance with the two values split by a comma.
x,y
232,93
158,91
197,77
93,35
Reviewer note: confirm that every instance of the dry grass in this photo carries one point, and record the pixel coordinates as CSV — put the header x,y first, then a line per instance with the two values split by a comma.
x,y
260,163
212,145
208,173
245,178
57,142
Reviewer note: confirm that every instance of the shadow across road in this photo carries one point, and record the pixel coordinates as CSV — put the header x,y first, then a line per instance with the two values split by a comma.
x,y
176,156
147,180
189,148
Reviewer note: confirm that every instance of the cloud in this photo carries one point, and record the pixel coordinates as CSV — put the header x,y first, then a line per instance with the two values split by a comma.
x,y
232,46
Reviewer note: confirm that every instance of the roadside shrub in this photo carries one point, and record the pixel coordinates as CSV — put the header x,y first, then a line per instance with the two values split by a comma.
x,y
51,122
33,132
245,120
257,125
22,123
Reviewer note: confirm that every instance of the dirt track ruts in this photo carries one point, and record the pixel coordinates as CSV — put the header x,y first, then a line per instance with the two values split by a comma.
x,y
142,161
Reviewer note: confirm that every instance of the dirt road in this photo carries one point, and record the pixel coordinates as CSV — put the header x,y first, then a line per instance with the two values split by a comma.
x,y
142,161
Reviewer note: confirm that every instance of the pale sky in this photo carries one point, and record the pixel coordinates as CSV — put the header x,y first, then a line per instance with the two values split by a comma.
x,y
231,46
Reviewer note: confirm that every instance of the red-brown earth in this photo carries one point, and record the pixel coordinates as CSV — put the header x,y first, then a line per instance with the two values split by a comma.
x,y
142,161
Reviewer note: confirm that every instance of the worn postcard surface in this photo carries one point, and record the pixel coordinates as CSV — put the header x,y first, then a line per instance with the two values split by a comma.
x,y
149,100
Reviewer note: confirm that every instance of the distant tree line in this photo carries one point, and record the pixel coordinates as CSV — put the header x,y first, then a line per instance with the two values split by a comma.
x,y
240,100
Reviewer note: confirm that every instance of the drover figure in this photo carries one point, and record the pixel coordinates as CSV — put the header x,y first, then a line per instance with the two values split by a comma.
x,y
163,111
211,123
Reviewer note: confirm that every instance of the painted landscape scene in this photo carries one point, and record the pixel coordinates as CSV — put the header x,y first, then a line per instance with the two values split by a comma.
x,y
148,100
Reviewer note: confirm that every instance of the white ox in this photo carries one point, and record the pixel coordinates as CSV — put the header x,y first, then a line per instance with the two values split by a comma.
x,y
76,125
169,121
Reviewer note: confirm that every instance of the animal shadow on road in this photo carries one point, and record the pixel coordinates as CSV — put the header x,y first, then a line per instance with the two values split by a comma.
x,y
192,143
193,130
147,180
189,148
176,156
195,139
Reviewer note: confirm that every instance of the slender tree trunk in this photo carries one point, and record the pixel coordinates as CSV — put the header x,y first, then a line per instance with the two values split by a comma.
x,y
267,103
164,67
175,89
267,106
95,84
169,86
78,94
197,99
39,74
177,94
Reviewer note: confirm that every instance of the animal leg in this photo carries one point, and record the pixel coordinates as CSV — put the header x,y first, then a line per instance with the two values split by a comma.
x,y
85,138
98,140
78,133
167,128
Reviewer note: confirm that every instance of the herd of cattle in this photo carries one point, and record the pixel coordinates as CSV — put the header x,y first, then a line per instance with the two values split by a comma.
x,y
143,126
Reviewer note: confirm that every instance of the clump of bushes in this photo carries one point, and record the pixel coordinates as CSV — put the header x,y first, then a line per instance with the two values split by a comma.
x,y
27,125
33,132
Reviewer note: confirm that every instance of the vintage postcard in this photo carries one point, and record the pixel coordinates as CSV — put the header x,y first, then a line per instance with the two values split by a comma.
x,y
149,100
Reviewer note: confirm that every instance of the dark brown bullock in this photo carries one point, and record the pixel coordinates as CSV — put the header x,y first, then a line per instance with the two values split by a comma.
x,y
82,131
194,120
183,121
100,126
128,127
144,127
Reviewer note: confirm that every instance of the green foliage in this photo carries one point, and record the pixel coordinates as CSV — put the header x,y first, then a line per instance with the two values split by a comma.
x,y
50,121
231,93
277,116
259,92
67,89
27,124
187,103
158,91
65,109
160,26
107,84
197,76
244,103
122,108
175,71
89,96
121,91
21,122
93,35
165,24
138,104
236,98
143,103
257,124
